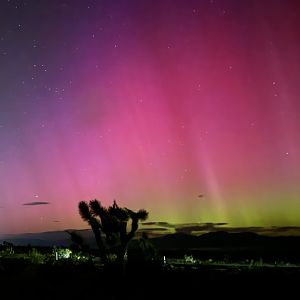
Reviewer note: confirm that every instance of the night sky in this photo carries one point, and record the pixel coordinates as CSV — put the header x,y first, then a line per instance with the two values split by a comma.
x,y
189,109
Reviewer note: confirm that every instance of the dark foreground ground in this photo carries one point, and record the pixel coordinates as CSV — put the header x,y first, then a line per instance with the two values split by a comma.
x,y
69,281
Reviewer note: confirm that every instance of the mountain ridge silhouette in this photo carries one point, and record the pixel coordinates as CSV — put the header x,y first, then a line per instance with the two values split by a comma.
x,y
216,239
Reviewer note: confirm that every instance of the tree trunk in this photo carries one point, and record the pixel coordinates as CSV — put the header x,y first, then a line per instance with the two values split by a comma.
x,y
121,262
99,241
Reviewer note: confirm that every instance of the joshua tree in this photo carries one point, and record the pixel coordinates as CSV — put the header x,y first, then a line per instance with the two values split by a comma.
x,y
112,222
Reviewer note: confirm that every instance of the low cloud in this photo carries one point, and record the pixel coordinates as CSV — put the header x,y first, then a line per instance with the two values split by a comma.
x,y
163,228
36,203
281,230
188,228
163,224
153,229
284,228
213,227
198,227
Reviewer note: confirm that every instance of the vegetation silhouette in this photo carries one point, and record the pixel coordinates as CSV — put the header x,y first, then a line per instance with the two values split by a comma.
x,y
143,257
109,226
78,243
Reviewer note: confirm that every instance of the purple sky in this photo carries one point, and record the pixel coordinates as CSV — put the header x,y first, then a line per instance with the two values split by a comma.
x,y
151,103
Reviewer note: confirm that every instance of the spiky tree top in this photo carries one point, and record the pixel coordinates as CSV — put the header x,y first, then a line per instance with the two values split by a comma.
x,y
112,221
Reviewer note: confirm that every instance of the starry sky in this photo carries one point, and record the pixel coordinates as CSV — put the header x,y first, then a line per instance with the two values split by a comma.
x,y
189,109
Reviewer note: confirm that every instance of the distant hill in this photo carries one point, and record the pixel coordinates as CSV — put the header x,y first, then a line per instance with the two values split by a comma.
x,y
219,239
46,239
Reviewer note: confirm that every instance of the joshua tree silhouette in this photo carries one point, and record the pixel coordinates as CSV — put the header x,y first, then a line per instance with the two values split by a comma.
x,y
112,222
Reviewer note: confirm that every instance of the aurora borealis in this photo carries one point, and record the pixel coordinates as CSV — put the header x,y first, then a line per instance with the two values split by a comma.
x,y
189,109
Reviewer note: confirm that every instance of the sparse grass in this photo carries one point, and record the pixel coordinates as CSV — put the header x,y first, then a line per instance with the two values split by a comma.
x,y
37,273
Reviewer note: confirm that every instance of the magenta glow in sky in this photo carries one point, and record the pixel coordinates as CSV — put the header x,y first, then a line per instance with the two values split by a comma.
x,y
189,109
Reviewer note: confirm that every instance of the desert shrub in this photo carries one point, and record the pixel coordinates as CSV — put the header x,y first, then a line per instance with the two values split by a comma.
x,y
36,257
